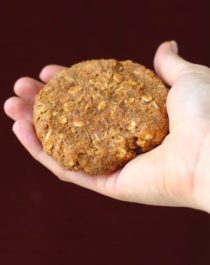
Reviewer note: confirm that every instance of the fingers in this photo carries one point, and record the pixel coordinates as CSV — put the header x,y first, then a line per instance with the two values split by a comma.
x,y
22,107
168,64
27,88
16,108
25,132
49,71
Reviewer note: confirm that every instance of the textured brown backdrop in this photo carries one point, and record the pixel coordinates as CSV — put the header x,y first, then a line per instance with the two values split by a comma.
x,y
45,221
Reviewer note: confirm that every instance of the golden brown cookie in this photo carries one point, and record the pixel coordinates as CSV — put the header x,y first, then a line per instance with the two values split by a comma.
x,y
99,114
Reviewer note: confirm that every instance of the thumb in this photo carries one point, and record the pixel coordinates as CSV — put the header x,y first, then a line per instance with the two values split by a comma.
x,y
168,63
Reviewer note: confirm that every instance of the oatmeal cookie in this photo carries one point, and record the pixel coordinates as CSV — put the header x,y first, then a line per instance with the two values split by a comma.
x,y
99,114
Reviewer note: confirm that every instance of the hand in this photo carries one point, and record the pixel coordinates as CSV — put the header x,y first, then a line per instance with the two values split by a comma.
x,y
176,173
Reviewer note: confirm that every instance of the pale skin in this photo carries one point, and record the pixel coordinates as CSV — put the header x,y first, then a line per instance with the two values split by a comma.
x,y
176,173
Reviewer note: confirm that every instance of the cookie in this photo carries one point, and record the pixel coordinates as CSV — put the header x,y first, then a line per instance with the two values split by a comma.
x,y
99,114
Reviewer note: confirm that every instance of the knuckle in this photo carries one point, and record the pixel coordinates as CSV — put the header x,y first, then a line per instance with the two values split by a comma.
x,y
195,69
61,175
62,178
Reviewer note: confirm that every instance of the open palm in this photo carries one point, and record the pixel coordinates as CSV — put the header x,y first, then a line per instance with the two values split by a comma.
x,y
163,176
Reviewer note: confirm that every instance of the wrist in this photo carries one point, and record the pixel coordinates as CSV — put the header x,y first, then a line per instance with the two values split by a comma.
x,y
202,177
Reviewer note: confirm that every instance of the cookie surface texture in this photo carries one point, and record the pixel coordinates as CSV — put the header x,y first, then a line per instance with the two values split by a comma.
x,y
99,114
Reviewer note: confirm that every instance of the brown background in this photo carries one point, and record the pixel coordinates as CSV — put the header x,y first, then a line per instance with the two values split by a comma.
x,y
45,221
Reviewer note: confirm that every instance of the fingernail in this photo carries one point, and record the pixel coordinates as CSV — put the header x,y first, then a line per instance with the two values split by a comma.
x,y
174,46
